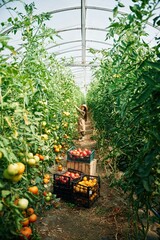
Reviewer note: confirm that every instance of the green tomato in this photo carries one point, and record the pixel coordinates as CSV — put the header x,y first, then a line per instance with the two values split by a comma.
x,y
30,155
13,169
21,154
47,198
36,158
49,194
44,123
44,137
6,175
31,162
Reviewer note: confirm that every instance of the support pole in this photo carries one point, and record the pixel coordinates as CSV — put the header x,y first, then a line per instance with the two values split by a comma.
x,y
83,35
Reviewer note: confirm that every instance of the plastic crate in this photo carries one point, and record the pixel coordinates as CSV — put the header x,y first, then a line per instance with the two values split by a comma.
x,y
64,193
66,180
86,159
85,202
86,191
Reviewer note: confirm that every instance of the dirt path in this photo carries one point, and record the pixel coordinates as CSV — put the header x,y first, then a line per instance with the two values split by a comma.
x,y
105,220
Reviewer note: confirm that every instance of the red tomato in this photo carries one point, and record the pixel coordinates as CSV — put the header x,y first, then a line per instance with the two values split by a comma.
x,y
44,193
89,152
25,232
84,154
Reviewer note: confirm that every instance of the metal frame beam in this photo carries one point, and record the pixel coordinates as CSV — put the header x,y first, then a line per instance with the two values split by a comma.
x,y
79,28
79,7
72,50
76,41
68,58
86,65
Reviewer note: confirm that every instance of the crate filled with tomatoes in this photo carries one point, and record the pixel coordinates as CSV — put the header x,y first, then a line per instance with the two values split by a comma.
x,y
86,191
80,155
67,177
63,183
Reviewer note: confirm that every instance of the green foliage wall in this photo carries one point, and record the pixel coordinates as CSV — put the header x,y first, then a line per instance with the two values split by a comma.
x,y
124,98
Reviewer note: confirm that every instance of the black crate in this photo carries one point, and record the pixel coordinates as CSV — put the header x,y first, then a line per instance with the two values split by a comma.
x,y
86,191
73,158
64,193
82,201
66,180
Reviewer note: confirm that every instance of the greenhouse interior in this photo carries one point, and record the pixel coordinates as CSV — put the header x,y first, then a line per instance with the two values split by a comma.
x,y
80,120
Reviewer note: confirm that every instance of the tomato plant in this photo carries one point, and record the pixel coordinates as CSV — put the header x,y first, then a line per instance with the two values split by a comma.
x,y
35,91
125,108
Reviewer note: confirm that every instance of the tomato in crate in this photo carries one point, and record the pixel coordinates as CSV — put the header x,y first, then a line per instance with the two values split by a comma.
x,y
68,177
62,185
80,155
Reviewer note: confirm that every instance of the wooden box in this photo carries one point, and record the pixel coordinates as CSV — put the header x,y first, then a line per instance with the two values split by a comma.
x,y
86,168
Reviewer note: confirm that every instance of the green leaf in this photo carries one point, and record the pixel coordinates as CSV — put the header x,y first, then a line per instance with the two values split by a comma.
x,y
146,185
12,156
5,193
157,182
2,185
5,153
120,4
135,8
115,25
156,20
10,19
38,113
5,141
32,129
115,11
144,95
158,171
26,100
149,80
38,180
155,65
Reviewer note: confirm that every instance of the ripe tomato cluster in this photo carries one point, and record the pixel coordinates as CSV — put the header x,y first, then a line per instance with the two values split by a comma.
x,y
80,153
67,176
29,217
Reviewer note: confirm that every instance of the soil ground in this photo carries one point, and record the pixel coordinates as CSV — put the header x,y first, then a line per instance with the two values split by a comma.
x,y
106,219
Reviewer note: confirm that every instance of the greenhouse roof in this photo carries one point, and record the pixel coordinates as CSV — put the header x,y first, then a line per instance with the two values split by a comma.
x,y
81,25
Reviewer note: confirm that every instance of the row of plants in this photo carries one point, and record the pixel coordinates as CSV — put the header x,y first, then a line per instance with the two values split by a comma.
x,y
124,98
37,121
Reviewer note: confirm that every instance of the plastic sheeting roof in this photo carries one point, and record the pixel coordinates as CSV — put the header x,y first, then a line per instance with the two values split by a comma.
x,y
81,24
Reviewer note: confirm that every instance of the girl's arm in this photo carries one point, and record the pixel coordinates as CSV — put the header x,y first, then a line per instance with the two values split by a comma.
x,y
80,110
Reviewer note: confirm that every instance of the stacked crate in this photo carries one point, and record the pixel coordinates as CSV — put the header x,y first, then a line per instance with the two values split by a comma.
x,y
79,184
87,164
82,191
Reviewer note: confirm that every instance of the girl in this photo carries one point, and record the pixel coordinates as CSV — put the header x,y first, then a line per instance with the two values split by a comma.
x,y
81,121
